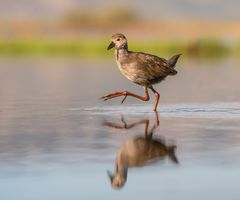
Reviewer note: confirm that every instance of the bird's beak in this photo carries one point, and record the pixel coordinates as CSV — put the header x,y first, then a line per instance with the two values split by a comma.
x,y
111,45
110,175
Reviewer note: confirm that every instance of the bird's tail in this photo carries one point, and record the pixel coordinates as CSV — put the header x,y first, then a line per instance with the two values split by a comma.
x,y
173,60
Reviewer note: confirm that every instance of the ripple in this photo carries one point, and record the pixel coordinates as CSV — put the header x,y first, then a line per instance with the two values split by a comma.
x,y
226,110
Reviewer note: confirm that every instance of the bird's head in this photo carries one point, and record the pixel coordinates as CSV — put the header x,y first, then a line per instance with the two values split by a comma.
x,y
119,41
117,180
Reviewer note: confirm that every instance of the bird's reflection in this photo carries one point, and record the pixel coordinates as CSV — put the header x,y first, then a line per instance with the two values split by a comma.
x,y
139,151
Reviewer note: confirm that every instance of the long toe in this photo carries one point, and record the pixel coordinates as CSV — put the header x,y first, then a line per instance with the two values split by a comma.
x,y
107,97
111,96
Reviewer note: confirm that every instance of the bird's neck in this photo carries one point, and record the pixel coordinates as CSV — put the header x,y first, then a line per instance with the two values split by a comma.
x,y
122,51
121,165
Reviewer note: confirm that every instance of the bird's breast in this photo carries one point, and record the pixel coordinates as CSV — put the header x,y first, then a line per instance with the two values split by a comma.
x,y
131,72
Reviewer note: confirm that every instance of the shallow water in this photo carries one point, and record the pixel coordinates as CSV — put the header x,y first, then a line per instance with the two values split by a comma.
x,y
58,140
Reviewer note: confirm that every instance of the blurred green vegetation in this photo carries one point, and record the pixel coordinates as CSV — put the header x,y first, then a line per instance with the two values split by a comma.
x,y
51,47
81,26
237,49
159,47
209,48
205,48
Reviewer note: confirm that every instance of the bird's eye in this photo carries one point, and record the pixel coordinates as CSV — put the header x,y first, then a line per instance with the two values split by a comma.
x,y
118,39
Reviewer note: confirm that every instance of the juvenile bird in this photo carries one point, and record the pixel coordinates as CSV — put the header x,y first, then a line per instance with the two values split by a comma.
x,y
140,68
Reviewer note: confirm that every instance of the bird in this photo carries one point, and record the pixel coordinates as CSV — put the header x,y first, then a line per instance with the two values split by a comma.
x,y
139,151
141,68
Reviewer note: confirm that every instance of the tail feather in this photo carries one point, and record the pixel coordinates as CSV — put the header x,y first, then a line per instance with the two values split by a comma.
x,y
173,60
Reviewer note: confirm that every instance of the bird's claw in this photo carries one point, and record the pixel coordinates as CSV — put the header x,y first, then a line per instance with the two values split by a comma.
x,y
107,97
124,98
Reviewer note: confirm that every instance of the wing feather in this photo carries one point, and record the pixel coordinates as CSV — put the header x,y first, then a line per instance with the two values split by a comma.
x,y
153,65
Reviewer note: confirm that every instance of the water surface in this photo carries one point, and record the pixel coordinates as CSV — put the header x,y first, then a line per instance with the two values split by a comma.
x,y
54,142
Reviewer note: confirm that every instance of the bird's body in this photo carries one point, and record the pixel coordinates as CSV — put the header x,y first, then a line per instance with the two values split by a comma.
x,y
140,68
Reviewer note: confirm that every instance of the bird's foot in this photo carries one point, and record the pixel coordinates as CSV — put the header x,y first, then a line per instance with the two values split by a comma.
x,y
114,95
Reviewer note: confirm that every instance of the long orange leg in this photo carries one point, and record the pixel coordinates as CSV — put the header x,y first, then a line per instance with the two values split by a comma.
x,y
157,98
125,94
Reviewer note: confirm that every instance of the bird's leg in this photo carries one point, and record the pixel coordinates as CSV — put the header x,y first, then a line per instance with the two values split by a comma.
x,y
156,119
145,98
125,94
146,128
157,98
125,126
149,134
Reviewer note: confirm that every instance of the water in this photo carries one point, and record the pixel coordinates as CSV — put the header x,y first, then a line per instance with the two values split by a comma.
x,y
58,140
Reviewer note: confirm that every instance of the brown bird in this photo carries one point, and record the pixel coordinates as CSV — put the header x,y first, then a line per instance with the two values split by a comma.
x,y
141,68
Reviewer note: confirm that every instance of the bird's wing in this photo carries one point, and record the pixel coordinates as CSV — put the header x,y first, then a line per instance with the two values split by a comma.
x,y
154,65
